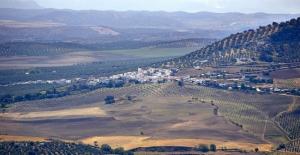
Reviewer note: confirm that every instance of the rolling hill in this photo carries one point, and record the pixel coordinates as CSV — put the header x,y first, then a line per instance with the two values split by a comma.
x,y
98,26
275,42
147,19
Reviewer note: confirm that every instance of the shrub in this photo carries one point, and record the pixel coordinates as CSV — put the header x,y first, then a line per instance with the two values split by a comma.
x,y
119,150
109,100
213,147
281,146
106,148
202,148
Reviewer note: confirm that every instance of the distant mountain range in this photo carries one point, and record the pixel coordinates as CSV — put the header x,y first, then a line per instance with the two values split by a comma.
x,y
180,21
108,26
276,42
19,4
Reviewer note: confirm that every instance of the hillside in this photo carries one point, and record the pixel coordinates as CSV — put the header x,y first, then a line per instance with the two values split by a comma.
x,y
193,42
278,43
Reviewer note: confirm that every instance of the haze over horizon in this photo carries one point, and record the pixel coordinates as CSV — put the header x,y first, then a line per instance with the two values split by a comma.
x,y
221,6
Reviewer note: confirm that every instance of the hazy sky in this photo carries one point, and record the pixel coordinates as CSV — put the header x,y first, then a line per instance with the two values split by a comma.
x,y
246,6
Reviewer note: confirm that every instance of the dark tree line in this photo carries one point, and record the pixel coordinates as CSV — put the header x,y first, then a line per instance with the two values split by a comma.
x,y
57,147
55,93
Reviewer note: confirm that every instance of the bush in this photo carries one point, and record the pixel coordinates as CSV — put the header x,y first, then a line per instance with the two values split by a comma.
x,y
119,150
266,57
109,100
281,146
106,148
202,148
180,83
213,147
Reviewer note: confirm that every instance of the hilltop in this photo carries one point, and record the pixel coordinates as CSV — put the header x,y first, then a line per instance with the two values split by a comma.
x,y
275,42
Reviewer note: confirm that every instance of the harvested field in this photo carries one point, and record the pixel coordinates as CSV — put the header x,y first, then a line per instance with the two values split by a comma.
x,y
88,112
21,138
199,153
130,142
158,114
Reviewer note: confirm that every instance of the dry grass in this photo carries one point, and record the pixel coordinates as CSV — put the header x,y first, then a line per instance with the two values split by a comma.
x,y
21,138
130,142
92,111
197,153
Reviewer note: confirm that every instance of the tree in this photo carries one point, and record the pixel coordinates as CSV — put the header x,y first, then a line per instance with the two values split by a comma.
x,y
129,98
119,150
281,146
109,100
266,57
27,97
275,23
180,83
202,148
31,153
243,86
3,106
106,148
128,153
256,149
213,147
96,143
19,98
7,98
215,111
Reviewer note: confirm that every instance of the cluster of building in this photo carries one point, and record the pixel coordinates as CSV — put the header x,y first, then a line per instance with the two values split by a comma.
x,y
257,82
149,75
60,81
153,75
215,79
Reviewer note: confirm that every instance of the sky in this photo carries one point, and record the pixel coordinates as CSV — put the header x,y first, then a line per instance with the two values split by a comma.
x,y
244,6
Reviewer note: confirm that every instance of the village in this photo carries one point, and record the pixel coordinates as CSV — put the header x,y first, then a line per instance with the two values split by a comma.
x,y
255,83
246,82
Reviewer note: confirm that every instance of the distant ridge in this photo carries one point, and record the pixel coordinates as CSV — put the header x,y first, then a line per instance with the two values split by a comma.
x,y
180,21
272,43
19,4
